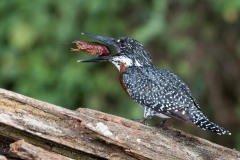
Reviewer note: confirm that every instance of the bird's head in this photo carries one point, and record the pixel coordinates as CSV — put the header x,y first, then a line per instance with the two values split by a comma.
x,y
129,52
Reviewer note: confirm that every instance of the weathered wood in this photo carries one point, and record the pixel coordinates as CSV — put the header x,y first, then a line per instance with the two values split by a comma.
x,y
28,151
92,134
2,157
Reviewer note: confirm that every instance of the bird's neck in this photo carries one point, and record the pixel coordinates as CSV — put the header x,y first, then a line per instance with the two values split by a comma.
x,y
123,67
126,63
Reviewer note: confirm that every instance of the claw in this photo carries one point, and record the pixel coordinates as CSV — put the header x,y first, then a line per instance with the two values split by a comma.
x,y
161,124
143,120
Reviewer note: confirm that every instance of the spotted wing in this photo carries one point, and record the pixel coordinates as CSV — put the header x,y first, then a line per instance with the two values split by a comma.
x,y
160,90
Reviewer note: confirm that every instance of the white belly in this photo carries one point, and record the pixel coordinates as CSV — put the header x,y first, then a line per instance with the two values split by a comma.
x,y
148,112
162,115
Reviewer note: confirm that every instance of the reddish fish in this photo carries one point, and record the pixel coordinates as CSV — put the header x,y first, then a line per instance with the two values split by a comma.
x,y
91,48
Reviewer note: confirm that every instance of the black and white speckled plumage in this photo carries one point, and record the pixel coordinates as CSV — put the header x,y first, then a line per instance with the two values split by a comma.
x,y
159,91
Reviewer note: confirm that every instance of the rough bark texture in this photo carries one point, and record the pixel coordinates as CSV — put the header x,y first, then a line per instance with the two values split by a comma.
x,y
89,134
27,151
3,157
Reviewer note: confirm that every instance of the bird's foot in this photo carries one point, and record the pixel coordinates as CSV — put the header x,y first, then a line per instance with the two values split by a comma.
x,y
143,120
161,124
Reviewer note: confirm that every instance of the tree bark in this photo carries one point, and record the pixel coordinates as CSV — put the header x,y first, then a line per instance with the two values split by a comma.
x,y
89,134
27,151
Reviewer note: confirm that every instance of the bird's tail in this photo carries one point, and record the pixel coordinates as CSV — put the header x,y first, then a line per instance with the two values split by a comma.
x,y
203,122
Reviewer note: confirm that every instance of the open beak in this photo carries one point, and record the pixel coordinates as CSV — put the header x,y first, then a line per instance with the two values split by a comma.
x,y
97,59
106,40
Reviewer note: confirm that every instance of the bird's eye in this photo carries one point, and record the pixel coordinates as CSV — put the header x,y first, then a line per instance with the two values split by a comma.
x,y
122,43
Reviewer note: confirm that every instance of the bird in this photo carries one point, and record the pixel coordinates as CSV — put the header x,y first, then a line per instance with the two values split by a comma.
x,y
158,91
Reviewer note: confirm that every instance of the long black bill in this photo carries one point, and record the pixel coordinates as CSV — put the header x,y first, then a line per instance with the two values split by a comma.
x,y
107,40
97,59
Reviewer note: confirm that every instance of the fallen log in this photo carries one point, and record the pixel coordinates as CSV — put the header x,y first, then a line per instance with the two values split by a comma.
x,y
91,134
28,151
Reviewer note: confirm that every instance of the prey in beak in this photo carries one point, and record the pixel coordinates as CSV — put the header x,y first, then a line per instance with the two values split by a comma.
x,y
94,48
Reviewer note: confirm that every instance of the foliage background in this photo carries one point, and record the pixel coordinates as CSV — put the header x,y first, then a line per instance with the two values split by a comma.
x,y
198,40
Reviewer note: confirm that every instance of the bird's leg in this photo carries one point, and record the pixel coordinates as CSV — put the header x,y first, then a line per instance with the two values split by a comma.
x,y
142,120
161,124
147,115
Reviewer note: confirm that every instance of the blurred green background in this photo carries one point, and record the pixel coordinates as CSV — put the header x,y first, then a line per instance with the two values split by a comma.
x,y
198,40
